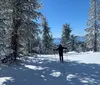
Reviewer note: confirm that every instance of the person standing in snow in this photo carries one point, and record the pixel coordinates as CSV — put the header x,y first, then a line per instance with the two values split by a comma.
x,y
60,49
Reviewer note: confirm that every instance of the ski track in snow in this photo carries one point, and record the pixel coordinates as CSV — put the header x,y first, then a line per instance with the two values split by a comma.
x,y
77,69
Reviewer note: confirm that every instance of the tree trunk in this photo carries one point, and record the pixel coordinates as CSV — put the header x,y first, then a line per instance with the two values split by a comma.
x,y
14,38
95,35
15,26
95,43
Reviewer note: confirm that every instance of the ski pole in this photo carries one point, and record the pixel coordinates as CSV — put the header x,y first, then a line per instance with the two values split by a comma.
x,y
55,54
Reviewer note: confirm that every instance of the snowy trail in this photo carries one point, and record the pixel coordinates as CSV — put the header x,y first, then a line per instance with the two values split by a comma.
x,y
78,69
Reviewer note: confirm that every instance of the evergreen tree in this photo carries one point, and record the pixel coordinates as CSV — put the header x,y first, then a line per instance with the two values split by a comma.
x,y
93,32
66,30
47,39
73,42
80,46
20,18
5,27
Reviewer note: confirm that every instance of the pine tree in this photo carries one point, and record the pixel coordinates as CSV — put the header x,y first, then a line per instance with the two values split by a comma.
x,y
24,21
5,27
93,23
20,17
66,30
80,46
73,42
47,39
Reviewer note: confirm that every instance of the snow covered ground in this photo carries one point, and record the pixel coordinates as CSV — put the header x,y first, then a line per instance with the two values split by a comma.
x,y
78,69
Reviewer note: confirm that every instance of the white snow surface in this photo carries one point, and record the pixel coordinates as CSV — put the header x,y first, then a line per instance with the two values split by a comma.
x,y
78,69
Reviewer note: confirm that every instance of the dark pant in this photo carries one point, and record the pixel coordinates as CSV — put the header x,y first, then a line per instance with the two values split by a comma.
x,y
61,57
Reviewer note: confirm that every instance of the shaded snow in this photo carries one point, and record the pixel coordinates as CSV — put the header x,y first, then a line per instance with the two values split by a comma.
x,y
77,69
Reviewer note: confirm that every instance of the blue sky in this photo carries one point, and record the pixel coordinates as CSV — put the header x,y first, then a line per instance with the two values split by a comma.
x,y
59,12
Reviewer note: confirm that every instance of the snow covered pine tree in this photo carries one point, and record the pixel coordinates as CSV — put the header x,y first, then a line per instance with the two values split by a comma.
x,y
65,40
47,39
18,19
93,32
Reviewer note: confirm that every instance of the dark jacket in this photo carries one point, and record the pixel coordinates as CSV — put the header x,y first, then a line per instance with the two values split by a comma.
x,y
60,49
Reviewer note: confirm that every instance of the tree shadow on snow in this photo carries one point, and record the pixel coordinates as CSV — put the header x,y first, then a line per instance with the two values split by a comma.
x,y
47,72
